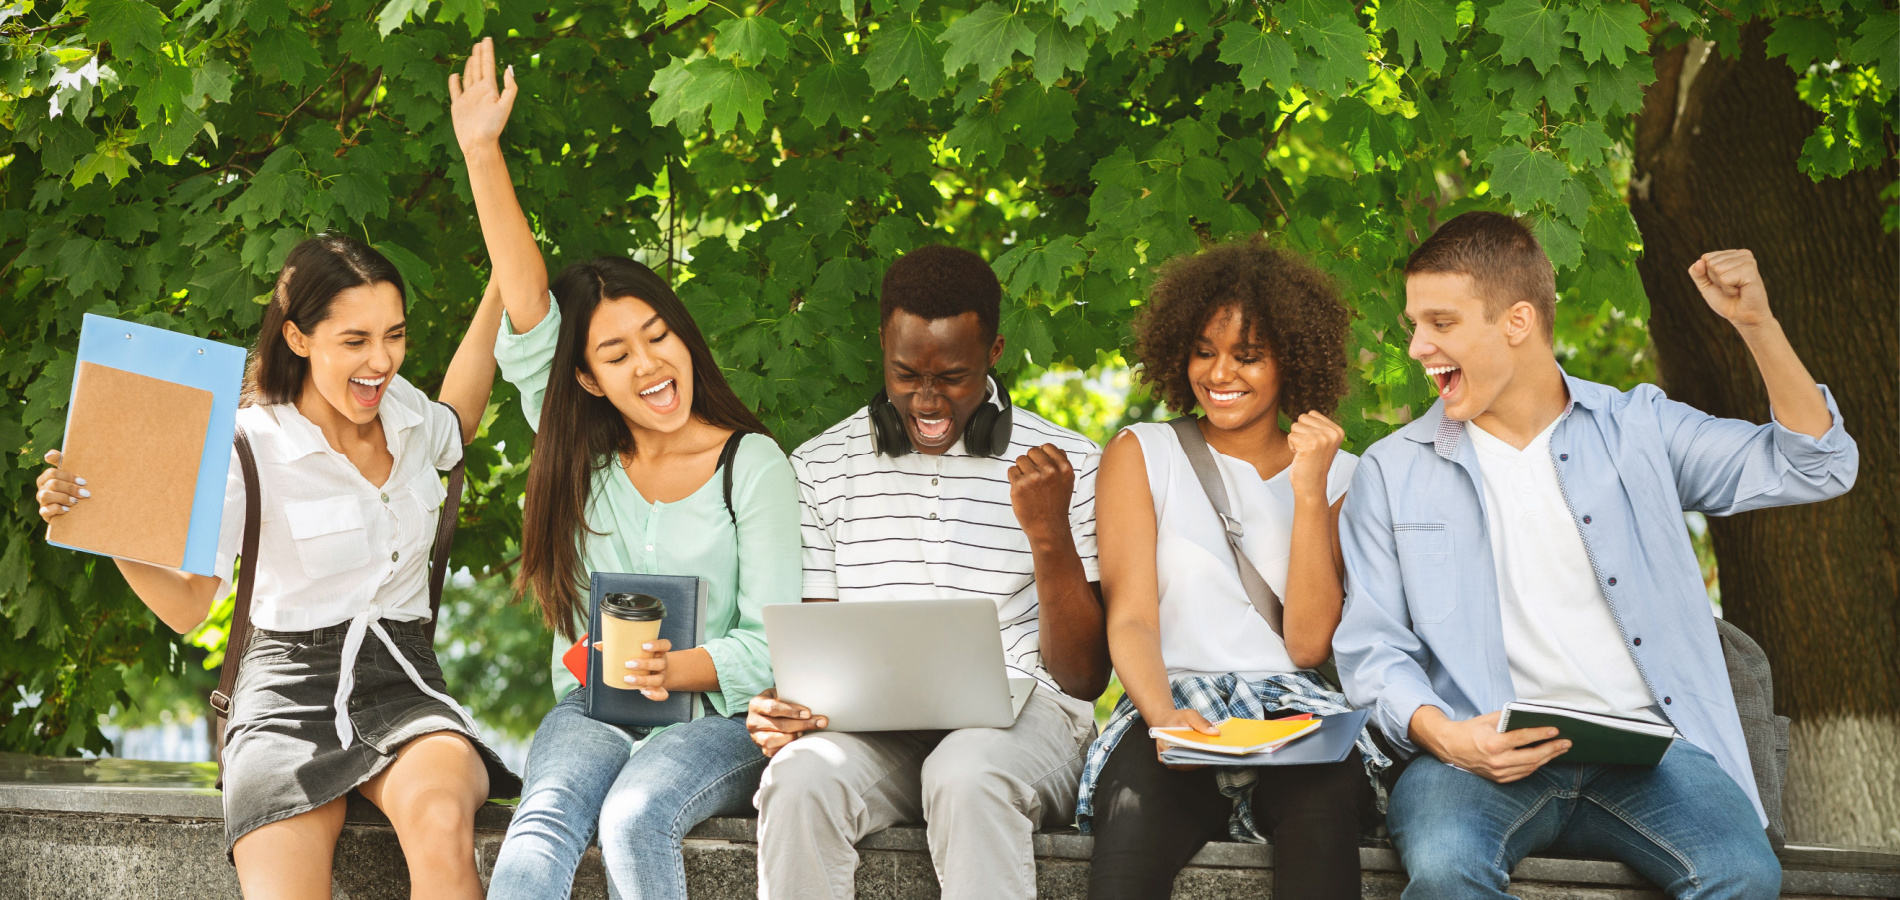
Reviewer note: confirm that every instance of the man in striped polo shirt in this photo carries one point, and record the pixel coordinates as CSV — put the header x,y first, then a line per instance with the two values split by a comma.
x,y
939,489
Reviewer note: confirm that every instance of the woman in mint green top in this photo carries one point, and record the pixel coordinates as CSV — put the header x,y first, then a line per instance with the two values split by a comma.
x,y
632,415
695,536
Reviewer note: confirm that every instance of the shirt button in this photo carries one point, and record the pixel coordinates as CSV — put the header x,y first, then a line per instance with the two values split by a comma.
x,y
1565,457
933,515
1638,642
394,554
1586,520
933,481
1668,700
1612,582
649,548
385,497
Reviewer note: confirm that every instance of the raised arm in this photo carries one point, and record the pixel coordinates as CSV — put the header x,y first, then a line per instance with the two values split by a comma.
x,y
479,105
1730,281
1314,589
471,374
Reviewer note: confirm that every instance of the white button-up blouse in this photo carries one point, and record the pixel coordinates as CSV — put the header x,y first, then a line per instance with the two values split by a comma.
x,y
332,547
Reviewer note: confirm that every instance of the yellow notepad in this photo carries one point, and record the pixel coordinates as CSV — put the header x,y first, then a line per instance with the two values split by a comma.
x,y
1240,737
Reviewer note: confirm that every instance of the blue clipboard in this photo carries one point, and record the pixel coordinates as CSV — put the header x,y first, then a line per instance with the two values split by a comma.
x,y
194,362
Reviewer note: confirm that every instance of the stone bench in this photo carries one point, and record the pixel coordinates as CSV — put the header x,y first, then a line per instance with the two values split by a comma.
x,y
154,831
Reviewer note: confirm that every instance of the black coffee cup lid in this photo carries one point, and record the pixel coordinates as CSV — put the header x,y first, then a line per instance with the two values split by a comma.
x,y
633,607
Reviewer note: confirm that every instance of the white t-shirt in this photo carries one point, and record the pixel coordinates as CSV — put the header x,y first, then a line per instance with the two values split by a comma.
x,y
1208,626
923,527
1560,637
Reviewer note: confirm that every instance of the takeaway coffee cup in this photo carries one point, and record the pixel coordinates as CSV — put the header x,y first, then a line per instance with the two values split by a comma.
x,y
626,622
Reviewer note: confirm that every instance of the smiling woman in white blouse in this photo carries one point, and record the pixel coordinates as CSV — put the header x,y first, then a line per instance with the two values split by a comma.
x,y
339,688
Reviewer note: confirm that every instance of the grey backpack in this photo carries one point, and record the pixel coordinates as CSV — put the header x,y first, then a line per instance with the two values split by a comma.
x,y
1765,733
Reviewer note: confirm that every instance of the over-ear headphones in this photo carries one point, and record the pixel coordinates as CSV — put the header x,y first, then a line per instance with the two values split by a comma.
x,y
986,435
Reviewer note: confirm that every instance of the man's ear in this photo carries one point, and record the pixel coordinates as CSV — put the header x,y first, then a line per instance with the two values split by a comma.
x,y
588,383
996,351
294,337
1520,323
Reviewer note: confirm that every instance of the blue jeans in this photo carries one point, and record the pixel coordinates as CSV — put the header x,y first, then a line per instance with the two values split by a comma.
x,y
580,773
1683,824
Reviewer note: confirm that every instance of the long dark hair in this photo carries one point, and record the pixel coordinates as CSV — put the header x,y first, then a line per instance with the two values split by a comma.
x,y
314,273
580,434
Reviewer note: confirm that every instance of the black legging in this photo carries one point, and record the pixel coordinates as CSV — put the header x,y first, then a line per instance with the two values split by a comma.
x,y
1150,820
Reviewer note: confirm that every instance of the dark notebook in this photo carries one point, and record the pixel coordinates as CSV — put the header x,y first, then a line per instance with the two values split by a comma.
x,y
685,626
1594,737
1328,744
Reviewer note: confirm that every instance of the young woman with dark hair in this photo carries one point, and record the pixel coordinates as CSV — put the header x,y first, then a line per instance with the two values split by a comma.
x,y
339,689
632,414
1246,333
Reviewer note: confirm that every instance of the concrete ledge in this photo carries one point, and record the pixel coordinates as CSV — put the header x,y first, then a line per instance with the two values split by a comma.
x,y
154,831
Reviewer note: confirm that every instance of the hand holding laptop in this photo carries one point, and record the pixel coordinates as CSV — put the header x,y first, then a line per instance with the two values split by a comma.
x,y
773,723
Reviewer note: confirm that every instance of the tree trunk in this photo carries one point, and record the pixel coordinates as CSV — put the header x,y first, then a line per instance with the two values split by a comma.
x,y
1819,585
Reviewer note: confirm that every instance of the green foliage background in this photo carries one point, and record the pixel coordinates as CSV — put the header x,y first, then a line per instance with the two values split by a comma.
x,y
161,159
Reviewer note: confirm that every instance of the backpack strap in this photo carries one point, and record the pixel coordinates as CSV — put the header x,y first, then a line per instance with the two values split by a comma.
x,y
726,456
445,530
1265,602
239,637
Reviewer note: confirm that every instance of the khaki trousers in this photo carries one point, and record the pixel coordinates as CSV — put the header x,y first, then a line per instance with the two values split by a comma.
x,y
981,793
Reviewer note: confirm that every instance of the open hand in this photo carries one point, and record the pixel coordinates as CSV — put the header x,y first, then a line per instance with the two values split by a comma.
x,y
773,723
1041,484
479,103
1314,440
1476,745
57,490
1179,718
1730,282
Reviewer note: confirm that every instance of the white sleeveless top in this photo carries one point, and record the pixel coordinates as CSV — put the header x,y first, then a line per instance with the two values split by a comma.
x,y
1208,626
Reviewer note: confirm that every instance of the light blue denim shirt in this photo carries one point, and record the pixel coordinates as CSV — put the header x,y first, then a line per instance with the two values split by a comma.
x,y
1421,624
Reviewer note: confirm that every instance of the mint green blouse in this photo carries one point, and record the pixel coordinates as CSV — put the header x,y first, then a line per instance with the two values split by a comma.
x,y
745,566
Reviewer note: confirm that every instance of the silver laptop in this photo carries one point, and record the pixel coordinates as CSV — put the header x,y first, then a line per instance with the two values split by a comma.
x,y
895,665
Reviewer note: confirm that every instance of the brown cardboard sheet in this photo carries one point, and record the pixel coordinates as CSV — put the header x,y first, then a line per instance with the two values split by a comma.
x,y
138,442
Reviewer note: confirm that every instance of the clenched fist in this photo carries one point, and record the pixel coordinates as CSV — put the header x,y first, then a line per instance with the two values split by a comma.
x,y
1314,440
1040,486
1731,283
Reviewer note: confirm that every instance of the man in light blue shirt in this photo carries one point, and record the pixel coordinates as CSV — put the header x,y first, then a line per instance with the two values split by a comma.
x,y
1523,540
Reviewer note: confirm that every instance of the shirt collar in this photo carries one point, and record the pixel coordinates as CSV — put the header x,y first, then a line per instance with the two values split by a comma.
x,y
302,437
1445,434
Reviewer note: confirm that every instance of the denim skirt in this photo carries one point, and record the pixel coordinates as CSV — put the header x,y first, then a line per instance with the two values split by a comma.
x,y
282,755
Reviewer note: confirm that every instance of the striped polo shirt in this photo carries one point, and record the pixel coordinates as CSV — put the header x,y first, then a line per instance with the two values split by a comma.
x,y
922,527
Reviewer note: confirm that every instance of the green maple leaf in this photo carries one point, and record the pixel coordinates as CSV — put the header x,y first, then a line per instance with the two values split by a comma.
x,y
1427,25
1105,13
751,38
669,100
285,54
472,13
87,263
1026,330
1803,41
1027,268
1526,176
361,194
1586,141
1609,30
1039,114
990,37
1059,50
416,273
125,24
839,89
1264,57
1530,31
1573,201
221,284
1562,242
728,92
212,80
396,14
1878,45
1616,87
906,50
1339,47
177,136
980,132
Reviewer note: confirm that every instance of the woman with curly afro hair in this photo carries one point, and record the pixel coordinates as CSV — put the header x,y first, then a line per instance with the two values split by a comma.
x,y
1198,634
